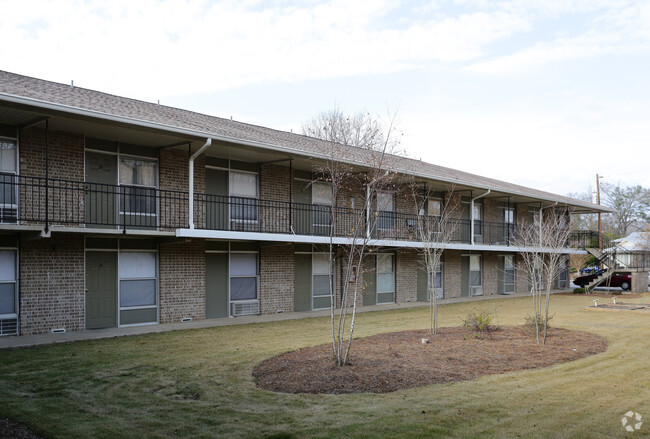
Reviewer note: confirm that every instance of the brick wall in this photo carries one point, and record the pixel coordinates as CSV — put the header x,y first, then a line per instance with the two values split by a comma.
x,y
491,210
490,273
174,176
276,278
406,276
521,275
66,162
52,284
182,281
66,154
451,274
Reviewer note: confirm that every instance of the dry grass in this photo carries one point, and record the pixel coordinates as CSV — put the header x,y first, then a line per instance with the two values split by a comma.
x,y
199,384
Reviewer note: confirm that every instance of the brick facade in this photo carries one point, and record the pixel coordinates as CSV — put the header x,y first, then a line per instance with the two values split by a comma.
x,y
51,283
490,272
182,281
276,278
451,274
406,276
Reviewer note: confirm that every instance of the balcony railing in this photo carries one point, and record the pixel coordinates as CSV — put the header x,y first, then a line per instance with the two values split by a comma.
x,y
28,200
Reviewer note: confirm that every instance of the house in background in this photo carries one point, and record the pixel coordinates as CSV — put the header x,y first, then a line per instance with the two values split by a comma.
x,y
117,212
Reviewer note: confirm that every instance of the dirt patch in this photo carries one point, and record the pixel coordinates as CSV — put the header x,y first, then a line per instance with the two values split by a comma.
x,y
399,360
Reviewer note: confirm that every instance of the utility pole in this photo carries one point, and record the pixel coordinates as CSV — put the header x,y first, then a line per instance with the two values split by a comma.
x,y
600,225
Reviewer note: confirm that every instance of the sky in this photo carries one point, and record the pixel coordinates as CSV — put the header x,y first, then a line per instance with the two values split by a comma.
x,y
542,93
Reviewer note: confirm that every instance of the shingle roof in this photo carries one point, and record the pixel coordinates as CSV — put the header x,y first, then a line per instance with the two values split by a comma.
x,y
174,119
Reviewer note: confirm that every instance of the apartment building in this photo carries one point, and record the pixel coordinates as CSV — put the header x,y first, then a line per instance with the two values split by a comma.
x,y
117,212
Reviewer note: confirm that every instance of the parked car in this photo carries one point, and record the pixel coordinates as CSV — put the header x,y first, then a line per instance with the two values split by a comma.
x,y
622,280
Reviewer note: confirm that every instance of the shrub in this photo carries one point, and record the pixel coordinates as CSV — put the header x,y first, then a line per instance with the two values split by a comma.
x,y
579,291
529,323
480,323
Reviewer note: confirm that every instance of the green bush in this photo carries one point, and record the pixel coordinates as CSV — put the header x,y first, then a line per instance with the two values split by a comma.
x,y
579,291
480,322
529,323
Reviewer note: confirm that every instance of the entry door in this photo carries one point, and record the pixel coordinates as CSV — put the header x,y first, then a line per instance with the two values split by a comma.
x,y
216,285
216,208
101,176
101,290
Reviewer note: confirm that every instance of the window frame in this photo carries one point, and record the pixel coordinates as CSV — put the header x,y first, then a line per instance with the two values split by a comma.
x,y
239,202
15,283
392,274
12,177
330,277
121,279
247,276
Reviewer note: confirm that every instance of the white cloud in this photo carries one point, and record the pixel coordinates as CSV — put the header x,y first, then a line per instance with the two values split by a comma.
x,y
178,47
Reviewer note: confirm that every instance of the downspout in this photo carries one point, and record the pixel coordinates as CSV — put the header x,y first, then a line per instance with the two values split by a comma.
x,y
541,217
471,214
47,176
207,144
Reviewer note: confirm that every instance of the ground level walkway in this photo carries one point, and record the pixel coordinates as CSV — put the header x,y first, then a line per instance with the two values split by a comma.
x,y
12,342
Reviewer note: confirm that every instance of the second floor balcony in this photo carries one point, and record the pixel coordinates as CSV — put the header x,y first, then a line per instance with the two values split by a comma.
x,y
28,200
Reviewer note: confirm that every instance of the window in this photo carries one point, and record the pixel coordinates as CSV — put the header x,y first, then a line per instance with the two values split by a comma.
x,y
8,300
8,181
435,281
321,196
475,278
478,221
243,196
386,207
509,215
320,281
138,180
385,278
137,279
508,274
243,276
434,207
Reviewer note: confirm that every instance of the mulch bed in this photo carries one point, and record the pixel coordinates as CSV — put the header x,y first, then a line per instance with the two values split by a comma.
x,y
399,360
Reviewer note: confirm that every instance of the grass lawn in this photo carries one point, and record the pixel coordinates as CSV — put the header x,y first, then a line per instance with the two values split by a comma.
x,y
198,384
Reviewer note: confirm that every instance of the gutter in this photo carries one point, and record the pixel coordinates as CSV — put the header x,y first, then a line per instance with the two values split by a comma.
x,y
193,157
471,214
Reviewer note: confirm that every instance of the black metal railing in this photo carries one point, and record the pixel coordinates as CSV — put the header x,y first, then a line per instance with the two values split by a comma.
x,y
37,200
25,199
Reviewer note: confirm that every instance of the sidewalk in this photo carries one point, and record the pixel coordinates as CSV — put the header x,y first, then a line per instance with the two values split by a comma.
x,y
14,342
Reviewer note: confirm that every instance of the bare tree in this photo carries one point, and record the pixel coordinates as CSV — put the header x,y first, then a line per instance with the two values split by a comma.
x,y
355,222
362,130
632,205
435,229
541,245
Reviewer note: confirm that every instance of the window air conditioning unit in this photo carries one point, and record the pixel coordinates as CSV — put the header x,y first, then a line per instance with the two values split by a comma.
x,y
475,291
244,308
9,326
8,214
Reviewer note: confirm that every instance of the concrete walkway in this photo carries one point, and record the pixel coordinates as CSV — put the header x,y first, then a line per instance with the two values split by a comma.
x,y
22,341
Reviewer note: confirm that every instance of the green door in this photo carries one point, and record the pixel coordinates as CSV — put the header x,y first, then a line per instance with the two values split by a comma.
x,y
302,222
370,281
101,179
216,202
101,289
422,283
302,290
216,285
